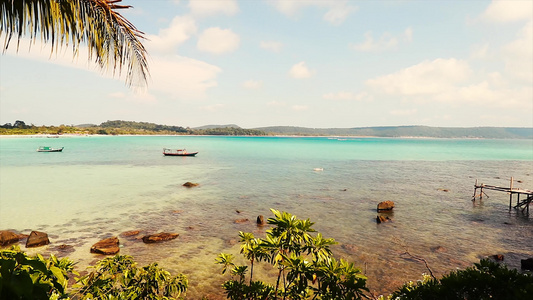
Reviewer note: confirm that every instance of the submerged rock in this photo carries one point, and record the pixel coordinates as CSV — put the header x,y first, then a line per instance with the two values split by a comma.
x,y
130,233
37,239
438,249
350,247
9,237
385,206
159,237
64,249
190,184
527,264
497,257
382,219
107,246
240,221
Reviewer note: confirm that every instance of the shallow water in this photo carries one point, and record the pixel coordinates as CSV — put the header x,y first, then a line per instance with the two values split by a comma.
x,y
103,186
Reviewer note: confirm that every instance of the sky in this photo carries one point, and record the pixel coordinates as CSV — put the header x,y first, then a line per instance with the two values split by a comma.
x,y
308,63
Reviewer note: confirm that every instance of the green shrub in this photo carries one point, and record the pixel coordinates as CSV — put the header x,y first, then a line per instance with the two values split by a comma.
x,y
304,264
35,278
119,277
485,280
24,277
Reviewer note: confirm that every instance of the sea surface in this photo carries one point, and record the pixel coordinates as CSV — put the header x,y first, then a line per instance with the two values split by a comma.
x,y
102,186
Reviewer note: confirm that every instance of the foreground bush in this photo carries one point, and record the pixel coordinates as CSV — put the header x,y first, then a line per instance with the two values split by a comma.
x,y
120,278
304,264
23,277
485,280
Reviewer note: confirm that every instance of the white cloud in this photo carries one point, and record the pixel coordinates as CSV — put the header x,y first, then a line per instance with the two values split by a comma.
x,y
428,77
336,10
208,8
518,55
39,51
182,77
452,81
408,34
301,71
140,97
502,11
339,13
403,112
385,42
117,95
347,96
484,93
299,107
218,41
213,107
252,84
276,104
496,79
480,52
271,46
168,39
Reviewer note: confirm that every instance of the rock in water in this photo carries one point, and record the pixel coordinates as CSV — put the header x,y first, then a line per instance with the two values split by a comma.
x,y
8,237
527,264
130,233
382,219
190,184
385,205
159,237
37,239
240,221
260,220
498,257
107,246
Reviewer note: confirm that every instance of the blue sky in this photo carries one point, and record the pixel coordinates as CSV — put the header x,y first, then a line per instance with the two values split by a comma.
x,y
319,64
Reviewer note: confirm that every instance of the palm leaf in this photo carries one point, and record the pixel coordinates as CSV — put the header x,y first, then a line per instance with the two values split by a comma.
x,y
113,41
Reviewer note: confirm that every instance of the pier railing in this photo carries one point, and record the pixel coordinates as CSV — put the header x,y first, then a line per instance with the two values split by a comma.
x,y
520,204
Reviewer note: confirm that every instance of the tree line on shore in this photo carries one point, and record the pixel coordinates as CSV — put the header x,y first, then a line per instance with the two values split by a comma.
x,y
145,128
122,128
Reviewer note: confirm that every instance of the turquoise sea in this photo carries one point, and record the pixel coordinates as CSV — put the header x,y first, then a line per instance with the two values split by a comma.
x,y
102,186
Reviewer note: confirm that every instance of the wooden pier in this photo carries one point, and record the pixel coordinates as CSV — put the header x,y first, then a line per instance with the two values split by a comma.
x,y
520,204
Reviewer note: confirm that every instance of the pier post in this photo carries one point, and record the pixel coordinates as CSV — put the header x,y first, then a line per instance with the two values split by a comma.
x,y
511,191
475,191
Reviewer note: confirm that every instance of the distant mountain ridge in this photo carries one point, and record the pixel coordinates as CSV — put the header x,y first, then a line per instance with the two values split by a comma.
x,y
217,126
407,131
132,127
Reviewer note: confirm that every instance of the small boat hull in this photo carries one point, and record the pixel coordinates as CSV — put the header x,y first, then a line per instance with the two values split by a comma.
x,y
180,154
177,152
49,149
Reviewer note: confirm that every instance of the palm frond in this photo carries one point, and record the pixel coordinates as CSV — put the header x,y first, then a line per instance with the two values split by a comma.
x,y
113,41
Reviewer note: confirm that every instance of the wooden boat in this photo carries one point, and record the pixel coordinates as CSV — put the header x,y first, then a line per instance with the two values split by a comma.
x,y
49,149
177,152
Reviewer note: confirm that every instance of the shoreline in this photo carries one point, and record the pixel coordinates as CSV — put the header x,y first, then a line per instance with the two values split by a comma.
x,y
6,136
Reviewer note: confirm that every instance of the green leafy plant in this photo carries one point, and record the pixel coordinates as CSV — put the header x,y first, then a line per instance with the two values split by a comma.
x,y
485,280
304,263
119,277
25,277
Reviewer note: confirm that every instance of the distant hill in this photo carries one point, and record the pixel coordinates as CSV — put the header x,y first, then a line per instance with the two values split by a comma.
x,y
85,125
217,126
131,127
407,131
